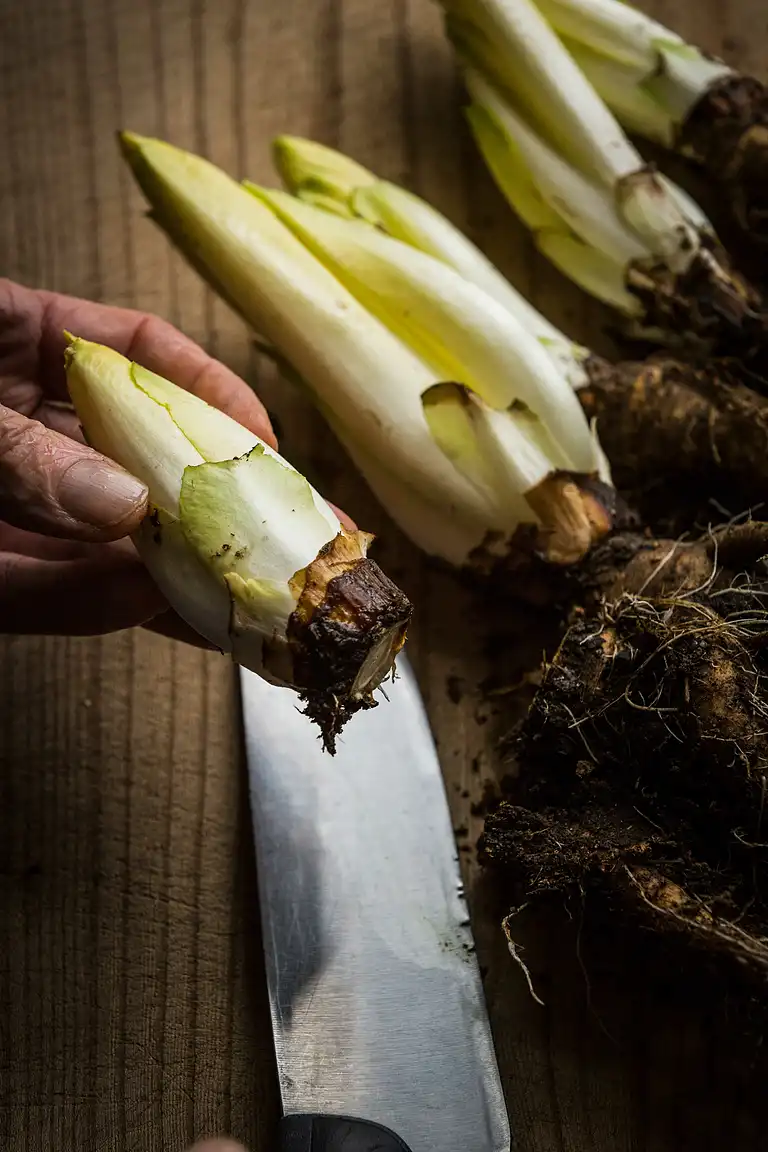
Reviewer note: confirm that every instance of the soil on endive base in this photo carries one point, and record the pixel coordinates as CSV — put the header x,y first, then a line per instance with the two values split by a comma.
x,y
679,434
641,781
711,306
349,624
727,134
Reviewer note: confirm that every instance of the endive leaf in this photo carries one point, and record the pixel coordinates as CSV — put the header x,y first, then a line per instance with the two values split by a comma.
x,y
603,278
637,46
124,422
587,209
617,30
184,579
465,334
275,509
509,169
347,357
547,85
407,217
312,170
215,435
626,94
493,449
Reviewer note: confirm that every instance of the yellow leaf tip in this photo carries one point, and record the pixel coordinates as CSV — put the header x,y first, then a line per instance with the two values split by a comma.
x,y
129,141
70,348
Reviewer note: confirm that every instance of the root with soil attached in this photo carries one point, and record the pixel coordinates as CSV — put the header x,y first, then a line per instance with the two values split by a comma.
x,y
700,426
643,762
727,133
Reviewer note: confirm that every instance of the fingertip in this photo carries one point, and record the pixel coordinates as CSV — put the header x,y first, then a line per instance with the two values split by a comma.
x,y
170,625
80,597
346,520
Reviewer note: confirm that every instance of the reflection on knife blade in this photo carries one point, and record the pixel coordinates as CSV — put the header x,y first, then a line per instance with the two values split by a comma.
x,y
377,1004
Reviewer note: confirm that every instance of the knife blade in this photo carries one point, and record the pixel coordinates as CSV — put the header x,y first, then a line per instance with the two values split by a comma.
x,y
379,1021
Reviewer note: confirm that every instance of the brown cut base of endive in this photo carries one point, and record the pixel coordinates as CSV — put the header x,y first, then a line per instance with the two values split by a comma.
x,y
344,635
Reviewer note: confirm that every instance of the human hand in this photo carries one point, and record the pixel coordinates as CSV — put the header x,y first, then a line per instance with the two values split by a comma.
x,y
217,1145
66,565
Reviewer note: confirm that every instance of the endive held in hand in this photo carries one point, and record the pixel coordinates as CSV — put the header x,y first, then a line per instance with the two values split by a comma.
x,y
239,542
669,91
463,425
624,233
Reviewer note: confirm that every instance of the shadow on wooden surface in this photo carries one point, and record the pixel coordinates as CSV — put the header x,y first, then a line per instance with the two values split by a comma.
x,y
133,1013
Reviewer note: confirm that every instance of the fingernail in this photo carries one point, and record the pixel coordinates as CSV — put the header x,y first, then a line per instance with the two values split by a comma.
x,y
99,494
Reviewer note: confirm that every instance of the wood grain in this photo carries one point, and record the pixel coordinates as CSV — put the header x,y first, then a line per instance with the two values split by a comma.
x,y
133,1013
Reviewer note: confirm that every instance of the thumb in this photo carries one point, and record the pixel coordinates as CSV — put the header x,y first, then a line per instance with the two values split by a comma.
x,y
52,484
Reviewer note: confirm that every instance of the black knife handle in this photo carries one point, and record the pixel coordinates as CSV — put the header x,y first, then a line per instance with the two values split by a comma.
x,y
336,1134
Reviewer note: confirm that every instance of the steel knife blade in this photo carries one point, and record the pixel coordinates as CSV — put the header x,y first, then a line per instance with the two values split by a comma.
x,y
380,1025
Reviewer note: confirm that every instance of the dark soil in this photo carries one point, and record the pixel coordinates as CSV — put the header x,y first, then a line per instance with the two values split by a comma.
x,y
727,134
641,765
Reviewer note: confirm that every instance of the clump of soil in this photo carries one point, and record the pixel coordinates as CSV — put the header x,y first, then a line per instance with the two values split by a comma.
x,y
698,431
642,765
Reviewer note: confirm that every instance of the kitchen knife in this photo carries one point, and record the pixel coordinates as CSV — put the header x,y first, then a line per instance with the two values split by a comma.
x,y
379,1020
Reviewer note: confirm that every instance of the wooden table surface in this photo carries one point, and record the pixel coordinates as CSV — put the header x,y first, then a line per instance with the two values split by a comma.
x,y
133,1013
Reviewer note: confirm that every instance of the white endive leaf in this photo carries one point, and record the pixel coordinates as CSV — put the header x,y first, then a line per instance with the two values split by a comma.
x,y
510,170
466,335
122,421
277,522
305,166
448,530
683,76
496,450
626,94
409,218
312,170
547,84
186,581
215,435
587,208
603,278
348,358
641,48
617,30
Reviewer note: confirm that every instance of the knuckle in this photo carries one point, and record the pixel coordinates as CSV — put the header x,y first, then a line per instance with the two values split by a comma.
x,y
28,458
149,331
21,440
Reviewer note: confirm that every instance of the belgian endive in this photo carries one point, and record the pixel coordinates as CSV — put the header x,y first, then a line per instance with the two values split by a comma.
x,y
657,418
669,91
327,178
239,542
624,233
463,425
